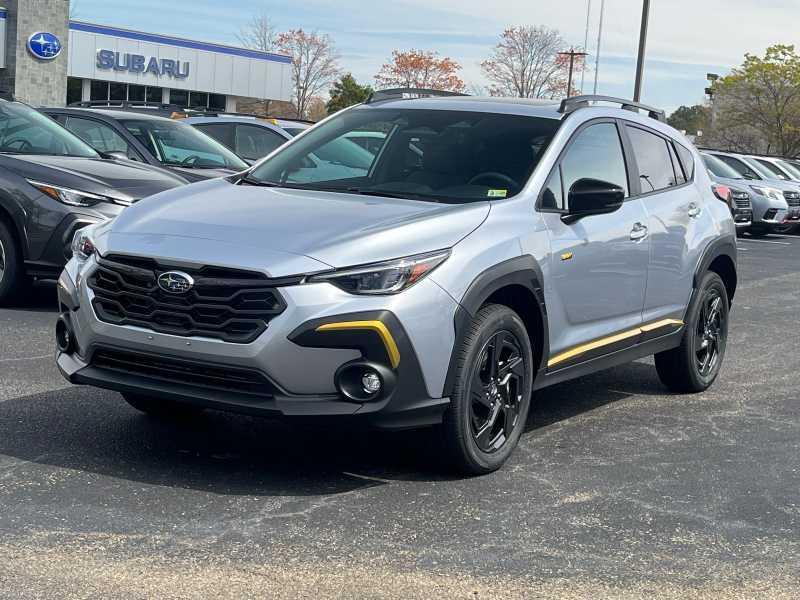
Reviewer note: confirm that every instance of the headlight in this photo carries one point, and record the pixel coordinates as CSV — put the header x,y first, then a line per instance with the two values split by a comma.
x,y
74,197
82,245
388,277
768,192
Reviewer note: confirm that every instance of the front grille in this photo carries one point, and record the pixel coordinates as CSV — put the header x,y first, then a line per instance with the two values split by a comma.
x,y
741,199
226,304
173,370
792,198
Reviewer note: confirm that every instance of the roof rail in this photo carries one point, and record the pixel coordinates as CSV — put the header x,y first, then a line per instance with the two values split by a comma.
x,y
401,92
569,105
123,104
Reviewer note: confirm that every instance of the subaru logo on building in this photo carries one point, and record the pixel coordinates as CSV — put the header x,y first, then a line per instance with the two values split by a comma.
x,y
44,45
175,282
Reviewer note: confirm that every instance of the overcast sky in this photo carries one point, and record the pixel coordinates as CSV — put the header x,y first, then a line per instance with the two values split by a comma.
x,y
688,38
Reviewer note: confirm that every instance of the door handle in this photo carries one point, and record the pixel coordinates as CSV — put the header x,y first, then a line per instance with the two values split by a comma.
x,y
694,210
639,232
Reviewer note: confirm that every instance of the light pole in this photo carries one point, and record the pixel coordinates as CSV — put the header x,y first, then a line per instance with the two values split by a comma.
x,y
637,91
599,43
586,39
572,56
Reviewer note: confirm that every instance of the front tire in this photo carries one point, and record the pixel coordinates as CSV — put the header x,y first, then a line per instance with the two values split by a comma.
x,y
162,409
694,365
492,392
12,271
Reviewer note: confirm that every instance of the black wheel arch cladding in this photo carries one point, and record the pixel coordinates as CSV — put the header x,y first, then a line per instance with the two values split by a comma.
x,y
521,271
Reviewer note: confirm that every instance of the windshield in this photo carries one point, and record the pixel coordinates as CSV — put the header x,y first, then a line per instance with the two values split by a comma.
x,y
24,130
772,168
181,145
437,155
294,131
756,166
792,170
719,168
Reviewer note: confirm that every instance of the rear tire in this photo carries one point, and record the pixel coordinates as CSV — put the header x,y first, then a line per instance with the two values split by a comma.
x,y
694,365
12,270
492,392
162,409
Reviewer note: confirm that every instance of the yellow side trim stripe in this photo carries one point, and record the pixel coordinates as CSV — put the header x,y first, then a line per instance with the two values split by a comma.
x,y
607,341
376,326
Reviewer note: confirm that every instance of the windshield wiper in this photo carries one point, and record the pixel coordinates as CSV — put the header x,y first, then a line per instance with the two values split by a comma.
x,y
260,182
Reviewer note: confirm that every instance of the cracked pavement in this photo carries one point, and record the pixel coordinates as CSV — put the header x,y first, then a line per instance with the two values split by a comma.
x,y
617,490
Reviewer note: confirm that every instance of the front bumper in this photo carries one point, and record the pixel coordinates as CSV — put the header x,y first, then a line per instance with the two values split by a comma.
x,y
297,357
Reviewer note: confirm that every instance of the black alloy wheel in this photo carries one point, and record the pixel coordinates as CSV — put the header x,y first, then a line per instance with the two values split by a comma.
x,y
496,388
492,390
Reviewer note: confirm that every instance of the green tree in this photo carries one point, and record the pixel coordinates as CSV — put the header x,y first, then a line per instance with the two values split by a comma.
x,y
691,119
763,96
346,92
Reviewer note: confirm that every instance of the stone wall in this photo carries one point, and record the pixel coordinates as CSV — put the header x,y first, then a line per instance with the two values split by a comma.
x,y
38,82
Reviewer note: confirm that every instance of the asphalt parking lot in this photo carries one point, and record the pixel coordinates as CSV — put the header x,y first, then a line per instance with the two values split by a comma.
x,y
617,490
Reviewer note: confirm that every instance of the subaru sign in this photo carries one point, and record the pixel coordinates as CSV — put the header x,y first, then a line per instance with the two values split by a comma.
x,y
44,45
137,63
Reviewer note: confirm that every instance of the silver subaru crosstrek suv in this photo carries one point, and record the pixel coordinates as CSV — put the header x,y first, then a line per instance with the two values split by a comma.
x,y
492,248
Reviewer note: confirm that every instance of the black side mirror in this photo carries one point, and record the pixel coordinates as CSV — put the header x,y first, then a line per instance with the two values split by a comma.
x,y
593,197
750,175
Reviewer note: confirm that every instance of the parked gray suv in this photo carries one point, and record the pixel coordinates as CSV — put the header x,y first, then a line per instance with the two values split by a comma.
x,y
493,248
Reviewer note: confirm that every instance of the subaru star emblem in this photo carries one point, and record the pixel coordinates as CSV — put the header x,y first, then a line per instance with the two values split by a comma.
x,y
175,282
44,46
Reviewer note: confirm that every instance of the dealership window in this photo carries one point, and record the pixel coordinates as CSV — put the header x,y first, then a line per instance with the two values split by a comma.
x,y
179,97
105,91
136,93
74,90
198,99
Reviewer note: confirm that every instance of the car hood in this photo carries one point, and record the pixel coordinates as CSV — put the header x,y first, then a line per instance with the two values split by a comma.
x,y
746,185
332,229
124,179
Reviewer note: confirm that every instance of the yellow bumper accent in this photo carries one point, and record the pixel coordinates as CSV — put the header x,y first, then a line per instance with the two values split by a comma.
x,y
607,341
376,326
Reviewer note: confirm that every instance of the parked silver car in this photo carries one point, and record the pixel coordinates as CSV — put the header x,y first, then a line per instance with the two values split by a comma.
x,y
515,246
767,195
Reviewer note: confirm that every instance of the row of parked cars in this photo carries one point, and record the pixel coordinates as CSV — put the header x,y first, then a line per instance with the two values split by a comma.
x,y
96,160
763,191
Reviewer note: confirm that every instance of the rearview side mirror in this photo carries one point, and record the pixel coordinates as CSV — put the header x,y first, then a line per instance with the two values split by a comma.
x,y
593,197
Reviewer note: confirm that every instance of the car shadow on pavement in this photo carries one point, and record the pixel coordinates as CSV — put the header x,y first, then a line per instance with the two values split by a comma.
x,y
95,431
41,297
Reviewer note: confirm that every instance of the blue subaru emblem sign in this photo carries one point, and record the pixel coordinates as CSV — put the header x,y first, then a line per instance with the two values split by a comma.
x,y
44,46
175,282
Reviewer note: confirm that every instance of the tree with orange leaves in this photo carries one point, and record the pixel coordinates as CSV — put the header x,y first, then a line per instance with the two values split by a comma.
x,y
420,69
526,64
314,65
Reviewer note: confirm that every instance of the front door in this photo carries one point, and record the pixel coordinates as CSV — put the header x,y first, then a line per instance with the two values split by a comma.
x,y
596,291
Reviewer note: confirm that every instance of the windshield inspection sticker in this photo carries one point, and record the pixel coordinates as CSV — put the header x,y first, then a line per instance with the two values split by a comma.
x,y
497,193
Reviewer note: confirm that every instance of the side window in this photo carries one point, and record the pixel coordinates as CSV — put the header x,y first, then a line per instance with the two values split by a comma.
x,y
680,178
224,133
100,136
687,160
652,156
596,153
254,142
553,194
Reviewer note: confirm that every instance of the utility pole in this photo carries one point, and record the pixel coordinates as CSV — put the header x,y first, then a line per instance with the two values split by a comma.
x,y
599,43
586,39
637,91
572,56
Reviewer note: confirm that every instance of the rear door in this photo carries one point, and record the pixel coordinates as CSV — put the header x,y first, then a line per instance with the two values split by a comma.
x,y
676,221
596,291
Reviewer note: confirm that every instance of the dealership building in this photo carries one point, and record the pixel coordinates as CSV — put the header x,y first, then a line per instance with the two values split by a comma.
x,y
48,60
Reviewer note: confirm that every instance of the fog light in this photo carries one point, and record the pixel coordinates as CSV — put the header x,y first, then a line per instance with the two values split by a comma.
x,y
64,339
371,382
